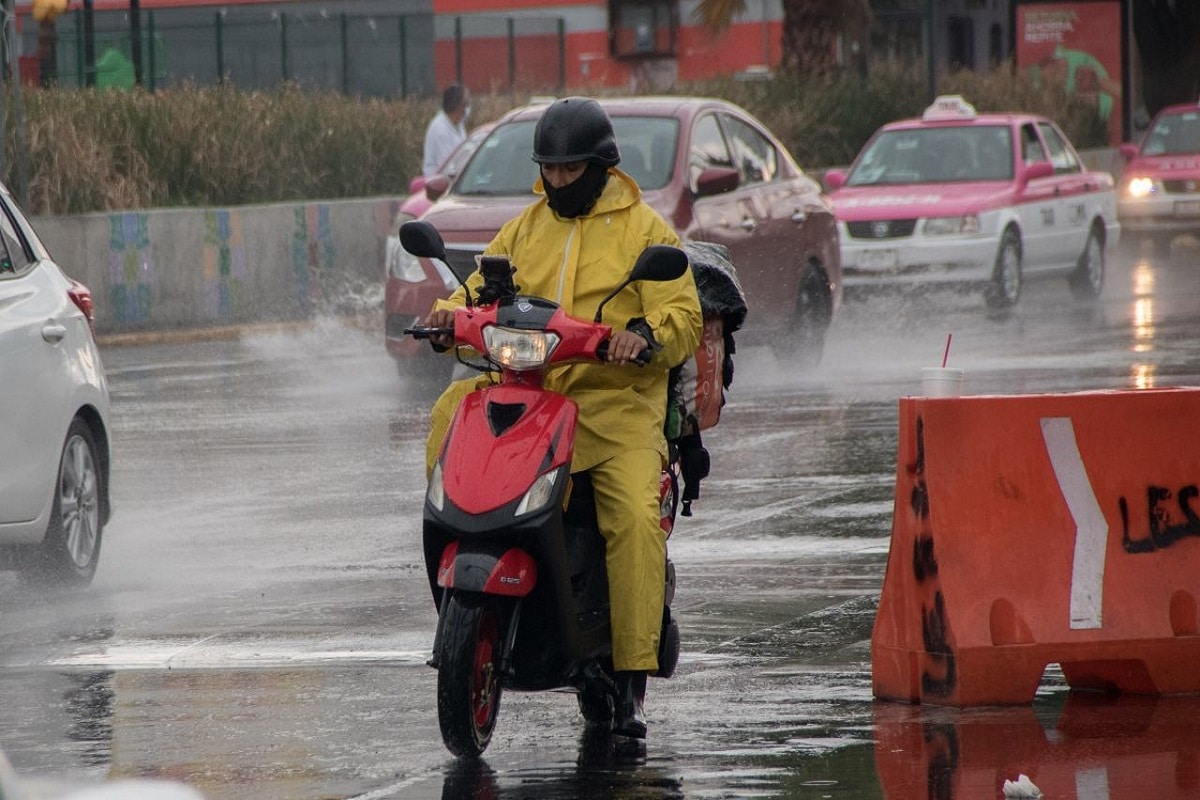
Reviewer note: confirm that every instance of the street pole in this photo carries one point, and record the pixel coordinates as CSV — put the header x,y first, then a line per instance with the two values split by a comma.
x,y
14,66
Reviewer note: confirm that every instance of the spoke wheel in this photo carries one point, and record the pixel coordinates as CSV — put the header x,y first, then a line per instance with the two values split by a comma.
x,y
1088,278
468,690
1005,288
71,548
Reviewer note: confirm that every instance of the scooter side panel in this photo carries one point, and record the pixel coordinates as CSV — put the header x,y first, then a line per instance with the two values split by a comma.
x,y
501,439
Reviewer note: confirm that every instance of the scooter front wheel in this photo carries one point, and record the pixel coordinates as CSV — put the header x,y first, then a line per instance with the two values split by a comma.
x,y
468,690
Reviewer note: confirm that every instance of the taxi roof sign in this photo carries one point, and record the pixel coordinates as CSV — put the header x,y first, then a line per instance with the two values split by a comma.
x,y
949,106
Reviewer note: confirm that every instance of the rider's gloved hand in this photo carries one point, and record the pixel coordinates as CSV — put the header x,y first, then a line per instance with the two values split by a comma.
x,y
624,346
441,319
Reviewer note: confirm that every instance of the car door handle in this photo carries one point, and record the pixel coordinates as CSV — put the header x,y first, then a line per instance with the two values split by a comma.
x,y
799,216
748,224
53,332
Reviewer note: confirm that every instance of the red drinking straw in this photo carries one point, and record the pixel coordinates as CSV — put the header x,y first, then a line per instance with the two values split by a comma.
x,y
946,355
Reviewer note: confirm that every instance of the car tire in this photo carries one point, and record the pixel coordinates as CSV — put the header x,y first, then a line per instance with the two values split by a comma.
x,y
1005,288
810,323
1087,280
70,550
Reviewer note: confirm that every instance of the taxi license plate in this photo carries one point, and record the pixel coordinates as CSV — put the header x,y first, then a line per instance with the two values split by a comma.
x,y
879,260
1187,208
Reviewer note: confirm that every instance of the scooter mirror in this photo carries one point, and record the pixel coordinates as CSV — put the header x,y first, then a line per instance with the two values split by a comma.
x,y
660,262
422,239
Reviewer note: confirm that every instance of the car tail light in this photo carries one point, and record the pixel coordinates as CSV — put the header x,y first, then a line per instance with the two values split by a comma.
x,y
81,296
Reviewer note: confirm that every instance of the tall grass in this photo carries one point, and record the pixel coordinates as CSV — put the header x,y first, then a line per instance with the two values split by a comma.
x,y
92,150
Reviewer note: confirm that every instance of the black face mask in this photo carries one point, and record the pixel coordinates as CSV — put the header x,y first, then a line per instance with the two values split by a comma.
x,y
574,199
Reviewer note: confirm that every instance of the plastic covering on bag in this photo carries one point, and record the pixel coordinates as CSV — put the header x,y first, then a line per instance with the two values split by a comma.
x,y
717,283
697,386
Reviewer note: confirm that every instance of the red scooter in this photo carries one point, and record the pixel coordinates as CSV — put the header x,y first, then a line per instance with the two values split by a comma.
x,y
515,560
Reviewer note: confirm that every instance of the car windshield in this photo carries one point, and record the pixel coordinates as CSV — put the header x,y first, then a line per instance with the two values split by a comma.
x,y
1173,134
940,154
502,165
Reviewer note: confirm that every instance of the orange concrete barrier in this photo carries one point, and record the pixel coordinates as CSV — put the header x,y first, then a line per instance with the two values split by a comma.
x,y
1098,747
1042,529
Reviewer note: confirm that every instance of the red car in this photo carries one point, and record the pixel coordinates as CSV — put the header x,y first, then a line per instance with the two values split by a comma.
x,y
1160,186
410,283
710,168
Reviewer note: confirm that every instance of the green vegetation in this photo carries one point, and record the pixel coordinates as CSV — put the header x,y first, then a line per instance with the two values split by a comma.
x,y
217,146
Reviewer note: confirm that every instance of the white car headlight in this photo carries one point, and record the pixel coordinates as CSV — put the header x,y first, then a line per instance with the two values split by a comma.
x,y
541,493
944,226
402,264
1140,187
517,349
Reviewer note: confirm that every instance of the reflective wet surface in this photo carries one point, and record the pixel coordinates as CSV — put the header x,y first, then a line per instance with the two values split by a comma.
x,y
259,622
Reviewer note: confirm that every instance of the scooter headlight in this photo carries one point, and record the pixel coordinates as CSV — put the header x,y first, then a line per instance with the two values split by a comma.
x,y
540,494
517,349
435,495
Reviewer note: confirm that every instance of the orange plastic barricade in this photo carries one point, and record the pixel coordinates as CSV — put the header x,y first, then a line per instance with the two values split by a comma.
x,y
1042,529
1098,747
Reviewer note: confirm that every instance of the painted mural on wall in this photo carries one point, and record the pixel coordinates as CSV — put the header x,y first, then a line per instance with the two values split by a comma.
x,y
130,268
224,264
312,254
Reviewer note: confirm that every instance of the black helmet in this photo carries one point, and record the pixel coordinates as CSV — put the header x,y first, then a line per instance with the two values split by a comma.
x,y
575,129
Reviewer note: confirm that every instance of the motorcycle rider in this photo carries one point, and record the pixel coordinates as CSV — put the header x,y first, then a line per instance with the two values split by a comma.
x,y
573,245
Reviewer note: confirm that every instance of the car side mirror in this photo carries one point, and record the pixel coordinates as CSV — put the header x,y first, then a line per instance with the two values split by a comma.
x,y
436,186
1038,169
717,180
835,179
1129,151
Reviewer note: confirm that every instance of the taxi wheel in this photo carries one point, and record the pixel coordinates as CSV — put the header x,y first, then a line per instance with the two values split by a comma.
x,y
1006,278
1088,278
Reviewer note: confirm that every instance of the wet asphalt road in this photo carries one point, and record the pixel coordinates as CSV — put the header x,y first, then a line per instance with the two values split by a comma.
x,y
259,623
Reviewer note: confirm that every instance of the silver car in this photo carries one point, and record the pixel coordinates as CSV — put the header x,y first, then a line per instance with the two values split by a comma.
x,y
54,429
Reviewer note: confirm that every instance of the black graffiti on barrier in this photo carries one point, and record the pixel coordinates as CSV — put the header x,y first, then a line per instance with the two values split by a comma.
x,y
934,634
939,674
941,766
1162,533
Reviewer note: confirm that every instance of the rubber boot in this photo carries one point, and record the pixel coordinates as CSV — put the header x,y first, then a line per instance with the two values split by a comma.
x,y
628,717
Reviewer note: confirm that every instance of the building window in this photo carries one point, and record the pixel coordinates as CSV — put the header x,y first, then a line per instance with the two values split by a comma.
x,y
642,28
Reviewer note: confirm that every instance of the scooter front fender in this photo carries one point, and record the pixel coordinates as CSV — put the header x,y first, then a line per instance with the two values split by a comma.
x,y
511,573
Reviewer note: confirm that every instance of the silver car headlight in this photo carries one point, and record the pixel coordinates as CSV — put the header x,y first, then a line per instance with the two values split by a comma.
x,y
1140,187
540,494
517,349
946,226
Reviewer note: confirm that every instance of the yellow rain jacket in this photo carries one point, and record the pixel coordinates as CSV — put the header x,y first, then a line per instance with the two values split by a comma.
x,y
576,263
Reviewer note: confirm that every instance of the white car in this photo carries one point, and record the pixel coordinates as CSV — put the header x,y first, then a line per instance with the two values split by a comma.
x,y
54,434
985,200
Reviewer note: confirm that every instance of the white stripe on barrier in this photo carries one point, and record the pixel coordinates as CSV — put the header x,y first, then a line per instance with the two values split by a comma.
x,y
1091,529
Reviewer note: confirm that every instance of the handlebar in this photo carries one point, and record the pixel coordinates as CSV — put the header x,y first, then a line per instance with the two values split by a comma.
x,y
640,360
421,332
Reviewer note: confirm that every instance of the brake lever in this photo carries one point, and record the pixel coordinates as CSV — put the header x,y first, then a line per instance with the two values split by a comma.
x,y
428,333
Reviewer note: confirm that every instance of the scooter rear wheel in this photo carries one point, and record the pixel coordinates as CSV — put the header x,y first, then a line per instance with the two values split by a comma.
x,y
468,691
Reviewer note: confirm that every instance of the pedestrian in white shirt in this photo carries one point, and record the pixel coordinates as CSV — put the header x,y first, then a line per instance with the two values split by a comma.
x,y
446,131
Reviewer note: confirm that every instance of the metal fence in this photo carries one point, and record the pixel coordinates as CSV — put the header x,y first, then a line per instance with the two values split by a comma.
x,y
371,56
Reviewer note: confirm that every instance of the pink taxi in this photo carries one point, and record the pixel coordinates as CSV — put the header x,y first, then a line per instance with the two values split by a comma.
x,y
1160,187
977,200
